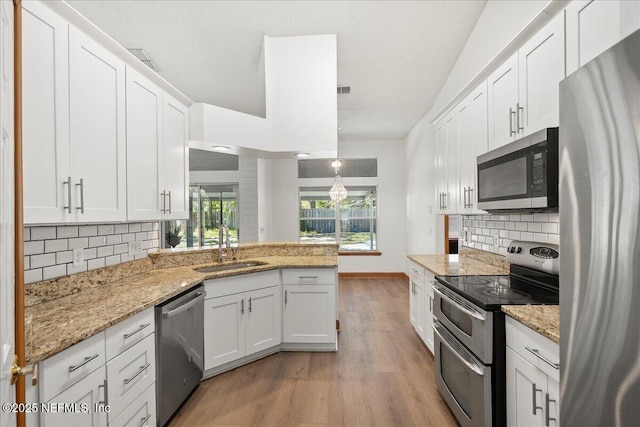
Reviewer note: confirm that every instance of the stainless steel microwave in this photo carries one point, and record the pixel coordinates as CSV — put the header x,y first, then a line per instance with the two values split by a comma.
x,y
522,175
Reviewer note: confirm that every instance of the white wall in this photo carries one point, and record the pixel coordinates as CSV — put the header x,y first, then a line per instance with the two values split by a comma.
x,y
265,200
390,184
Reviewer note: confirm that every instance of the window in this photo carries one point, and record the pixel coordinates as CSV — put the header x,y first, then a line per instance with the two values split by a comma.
x,y
355,225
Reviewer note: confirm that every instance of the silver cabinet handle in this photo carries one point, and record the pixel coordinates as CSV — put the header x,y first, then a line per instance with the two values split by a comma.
x,y
541,357
81,364
130,334
286,297
534,403
458,306
169,194
142,369
104,402
518,109
68,184
249,305
431,304
470,197
444,200
164,202
81,185
511,114
547,418
242,306
468,364
143,421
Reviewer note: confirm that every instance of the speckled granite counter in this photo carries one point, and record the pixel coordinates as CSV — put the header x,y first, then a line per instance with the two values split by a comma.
x,y
544,319
57,323
462,264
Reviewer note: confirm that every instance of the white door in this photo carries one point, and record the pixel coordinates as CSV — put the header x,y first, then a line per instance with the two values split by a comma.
x,y
540,69
451,163
503,100
144,145
264,319
45,115
309,314
97,130
176,158
224,330
7,391
526,387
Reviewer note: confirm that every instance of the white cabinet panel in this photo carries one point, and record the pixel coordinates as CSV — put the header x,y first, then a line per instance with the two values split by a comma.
x,y
451,142
440,166
88,394
140,413
503,97
309,313
175,164
224,330
97,129
428,318
144,147
526,387
45,122
264,319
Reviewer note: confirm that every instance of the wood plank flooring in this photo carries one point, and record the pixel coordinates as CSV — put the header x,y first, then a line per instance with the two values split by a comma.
x,y
382,374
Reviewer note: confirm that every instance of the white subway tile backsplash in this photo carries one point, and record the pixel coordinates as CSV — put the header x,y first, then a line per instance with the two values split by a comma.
x,y
550,227
49,250
554,238
541,217
521,226
540,237
514,235
510,225
525,235
534,227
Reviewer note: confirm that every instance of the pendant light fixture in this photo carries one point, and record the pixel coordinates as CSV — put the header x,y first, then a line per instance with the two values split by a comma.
x,y
337,192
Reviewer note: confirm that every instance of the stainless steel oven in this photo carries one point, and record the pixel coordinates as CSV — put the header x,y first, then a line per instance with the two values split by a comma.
x,y
463,380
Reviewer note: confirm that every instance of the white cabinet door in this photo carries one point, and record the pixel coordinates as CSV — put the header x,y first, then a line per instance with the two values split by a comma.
x,y
451,163
502,103
224,330
144,147
175,169
526,387
553,405
413,304
45,115
88,396
421,299
309,313
264,319
97,130
541,68
440,166
428,318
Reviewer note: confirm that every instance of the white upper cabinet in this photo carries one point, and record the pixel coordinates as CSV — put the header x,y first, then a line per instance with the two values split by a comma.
x,y
472,141
45,106
523,92
440,165
144,147
446,164
175,163
97,130
593,26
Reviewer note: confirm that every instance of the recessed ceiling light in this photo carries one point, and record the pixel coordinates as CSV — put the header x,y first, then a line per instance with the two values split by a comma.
x,y
301,155
220,147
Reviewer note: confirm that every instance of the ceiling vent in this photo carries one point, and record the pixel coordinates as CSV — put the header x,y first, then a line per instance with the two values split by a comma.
x,y
344,90
142,56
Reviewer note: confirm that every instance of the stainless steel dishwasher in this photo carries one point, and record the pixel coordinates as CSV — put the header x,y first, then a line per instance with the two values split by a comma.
x,y
179,350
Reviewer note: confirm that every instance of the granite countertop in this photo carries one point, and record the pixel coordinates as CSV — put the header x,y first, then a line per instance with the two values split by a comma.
x,y
55,325
457,265
544,319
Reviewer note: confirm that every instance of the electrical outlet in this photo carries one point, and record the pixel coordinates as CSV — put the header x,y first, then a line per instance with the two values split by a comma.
x,y
135,248
78,257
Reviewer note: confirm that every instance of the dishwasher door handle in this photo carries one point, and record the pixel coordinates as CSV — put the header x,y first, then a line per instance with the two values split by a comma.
x,y
184,307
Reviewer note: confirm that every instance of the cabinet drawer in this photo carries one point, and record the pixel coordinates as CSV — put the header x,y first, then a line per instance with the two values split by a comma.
x,y
527,343
241,283
66,368
127,333
142,412
309,276
416,272
131,373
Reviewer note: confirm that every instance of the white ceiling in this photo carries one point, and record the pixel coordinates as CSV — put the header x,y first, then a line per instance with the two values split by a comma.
x,y
395,55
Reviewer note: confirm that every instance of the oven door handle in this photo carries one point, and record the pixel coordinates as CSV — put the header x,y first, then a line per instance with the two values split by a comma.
x,y
468,364
458,306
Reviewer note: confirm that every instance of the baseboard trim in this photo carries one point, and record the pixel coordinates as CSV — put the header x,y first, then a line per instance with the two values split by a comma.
x,y
373,275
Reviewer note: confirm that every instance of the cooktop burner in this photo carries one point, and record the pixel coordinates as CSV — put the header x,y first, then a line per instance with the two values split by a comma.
x,y
491,292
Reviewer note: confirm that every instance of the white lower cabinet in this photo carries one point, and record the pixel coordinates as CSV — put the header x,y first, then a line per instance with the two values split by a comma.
x,y
417,306
421,302
532,377
241,317
309,313
141,413
428,317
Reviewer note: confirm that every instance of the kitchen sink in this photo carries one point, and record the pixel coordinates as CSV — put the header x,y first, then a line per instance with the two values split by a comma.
x,y
226,267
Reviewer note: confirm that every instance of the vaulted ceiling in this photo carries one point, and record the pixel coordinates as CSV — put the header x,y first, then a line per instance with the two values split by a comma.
x,y
395,55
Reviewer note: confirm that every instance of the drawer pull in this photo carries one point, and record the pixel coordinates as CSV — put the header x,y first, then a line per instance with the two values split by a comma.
x,y
130,334
143,421
312,278
104,402
142,369
80,365
541,357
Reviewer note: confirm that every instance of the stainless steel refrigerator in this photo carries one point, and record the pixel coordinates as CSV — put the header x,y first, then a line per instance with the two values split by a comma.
x,y
600,240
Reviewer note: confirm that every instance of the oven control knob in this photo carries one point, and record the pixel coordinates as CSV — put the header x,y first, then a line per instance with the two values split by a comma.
x,y
518,249
511,249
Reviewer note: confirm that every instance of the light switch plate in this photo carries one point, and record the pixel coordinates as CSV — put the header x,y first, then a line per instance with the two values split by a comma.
x,y
78,257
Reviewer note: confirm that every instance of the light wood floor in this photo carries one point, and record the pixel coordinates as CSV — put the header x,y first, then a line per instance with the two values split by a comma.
x,y
382,374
